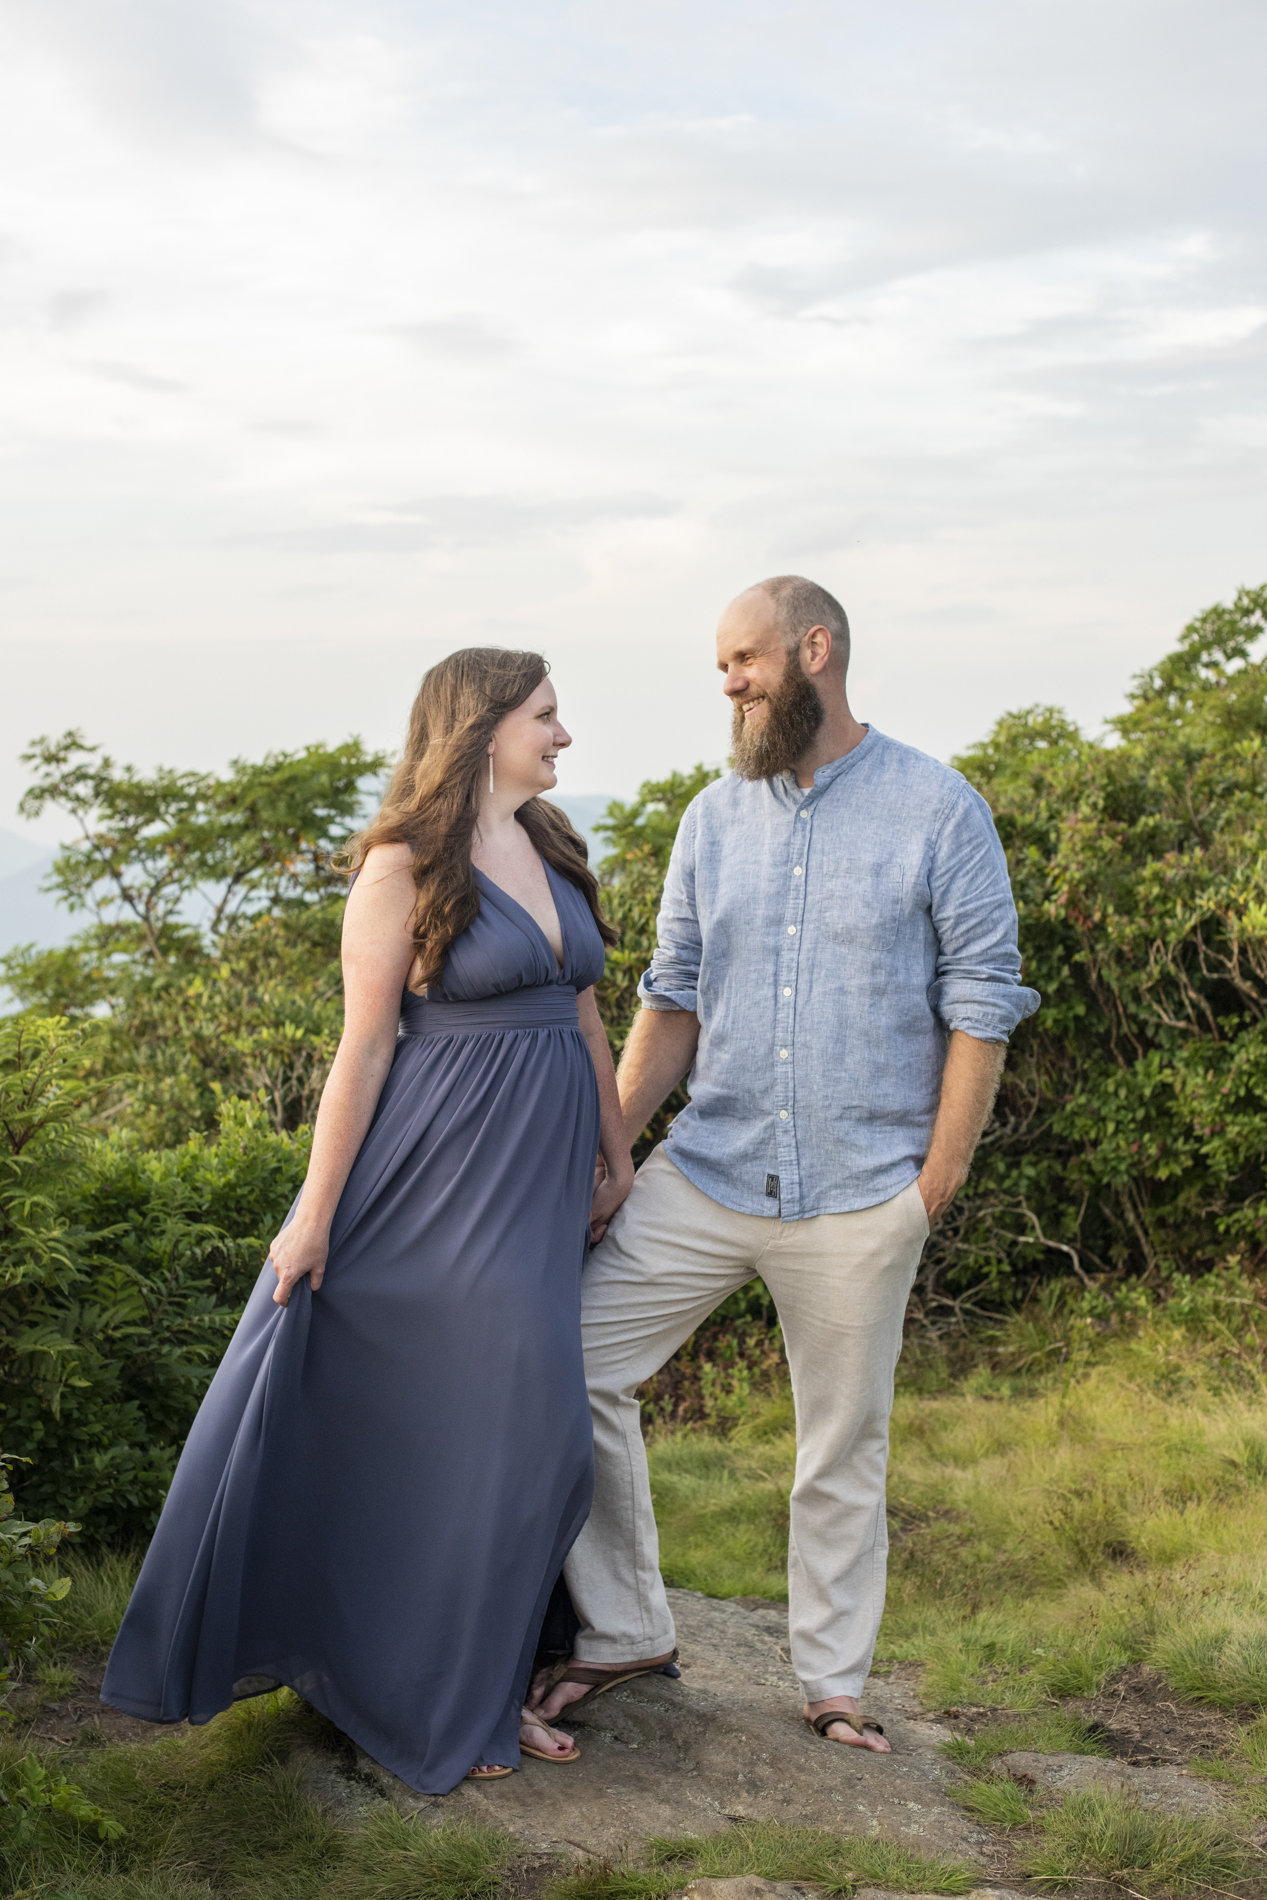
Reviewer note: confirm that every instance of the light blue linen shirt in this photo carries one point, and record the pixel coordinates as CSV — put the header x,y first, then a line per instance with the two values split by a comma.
x,y
829,940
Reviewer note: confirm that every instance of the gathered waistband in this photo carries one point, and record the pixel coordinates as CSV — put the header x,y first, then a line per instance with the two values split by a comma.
x,y
538,1006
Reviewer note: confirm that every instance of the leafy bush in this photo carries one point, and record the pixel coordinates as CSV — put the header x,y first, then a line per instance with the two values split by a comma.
x,y
214,955
29,1613
1131,1129
28,1596
641,837
122,1275
30,1794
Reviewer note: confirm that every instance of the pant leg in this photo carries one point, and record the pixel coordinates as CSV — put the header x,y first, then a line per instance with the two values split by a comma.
x,y
670,1256
841,1283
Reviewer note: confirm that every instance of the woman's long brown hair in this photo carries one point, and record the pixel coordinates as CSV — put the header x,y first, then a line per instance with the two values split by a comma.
x,y
432,801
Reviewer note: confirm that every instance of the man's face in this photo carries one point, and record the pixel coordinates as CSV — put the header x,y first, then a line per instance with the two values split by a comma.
x,y
777,709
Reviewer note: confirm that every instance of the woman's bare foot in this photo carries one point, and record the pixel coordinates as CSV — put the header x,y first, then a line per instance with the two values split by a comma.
x,y
564,1692
489,1771
538,1735
841,1731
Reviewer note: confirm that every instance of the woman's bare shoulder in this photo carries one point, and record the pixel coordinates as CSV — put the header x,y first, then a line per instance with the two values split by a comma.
x,y
382,860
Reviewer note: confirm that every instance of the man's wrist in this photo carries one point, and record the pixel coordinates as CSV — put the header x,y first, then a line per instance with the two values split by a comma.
x,y
939,1177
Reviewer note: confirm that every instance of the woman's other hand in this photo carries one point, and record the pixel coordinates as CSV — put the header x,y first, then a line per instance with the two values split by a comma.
x,y
295,1252
609,1191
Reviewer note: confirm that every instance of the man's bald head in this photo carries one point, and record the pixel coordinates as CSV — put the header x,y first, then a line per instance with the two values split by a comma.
x,y
798,605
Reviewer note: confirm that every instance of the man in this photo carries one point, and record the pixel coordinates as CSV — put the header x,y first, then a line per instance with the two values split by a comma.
x,y
837,967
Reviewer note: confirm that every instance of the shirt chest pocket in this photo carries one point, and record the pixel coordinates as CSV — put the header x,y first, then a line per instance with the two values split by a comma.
x,y
861,903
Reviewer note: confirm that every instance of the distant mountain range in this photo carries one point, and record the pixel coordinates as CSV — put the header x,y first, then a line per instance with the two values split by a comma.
x,y
28,914
31,915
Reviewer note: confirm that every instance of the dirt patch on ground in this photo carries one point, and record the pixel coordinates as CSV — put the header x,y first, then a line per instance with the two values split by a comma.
x,y
1137,1716
527,1879
1142,1719
77,1718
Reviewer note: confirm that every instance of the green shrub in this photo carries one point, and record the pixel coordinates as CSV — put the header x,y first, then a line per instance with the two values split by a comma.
x,y
29,1597
122,1275
1131,1128
33,1794
250,1001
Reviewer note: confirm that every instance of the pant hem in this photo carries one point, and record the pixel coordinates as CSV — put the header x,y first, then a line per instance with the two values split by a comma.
x,y
606,1649
828,1686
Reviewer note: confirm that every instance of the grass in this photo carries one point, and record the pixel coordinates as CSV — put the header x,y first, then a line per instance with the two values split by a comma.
x,y
837,1863
393,1859
995,1799
100,1584
1112,1838
1045,1732
219,1808
1090,1490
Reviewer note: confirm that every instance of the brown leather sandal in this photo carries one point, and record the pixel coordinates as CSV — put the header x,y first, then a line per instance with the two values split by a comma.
x,y
860,1724
596,1681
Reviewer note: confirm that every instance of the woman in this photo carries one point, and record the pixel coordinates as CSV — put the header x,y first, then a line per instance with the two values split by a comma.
x,y
395,1455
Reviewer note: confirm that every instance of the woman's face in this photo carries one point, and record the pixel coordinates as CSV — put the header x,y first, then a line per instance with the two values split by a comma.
x,y
526,743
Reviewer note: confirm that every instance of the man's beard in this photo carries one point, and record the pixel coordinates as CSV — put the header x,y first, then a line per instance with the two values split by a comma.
x,y
793,715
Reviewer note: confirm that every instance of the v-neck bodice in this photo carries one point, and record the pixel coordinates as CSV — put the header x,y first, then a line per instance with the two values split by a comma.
x,y
490,884
505,950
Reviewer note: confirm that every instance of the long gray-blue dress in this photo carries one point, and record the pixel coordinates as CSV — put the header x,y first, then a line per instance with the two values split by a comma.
x,y
385,1476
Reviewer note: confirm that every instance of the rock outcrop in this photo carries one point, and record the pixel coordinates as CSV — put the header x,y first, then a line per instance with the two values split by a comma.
x,y
724,1744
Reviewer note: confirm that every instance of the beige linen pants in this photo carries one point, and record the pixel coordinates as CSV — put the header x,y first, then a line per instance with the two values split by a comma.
x,y
840,1283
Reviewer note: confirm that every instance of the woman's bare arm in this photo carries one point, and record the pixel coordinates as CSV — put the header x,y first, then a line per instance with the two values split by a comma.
x,y
378,951
613,1145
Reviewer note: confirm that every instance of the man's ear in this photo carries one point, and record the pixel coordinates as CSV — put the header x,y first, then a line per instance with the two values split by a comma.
x,y
817,644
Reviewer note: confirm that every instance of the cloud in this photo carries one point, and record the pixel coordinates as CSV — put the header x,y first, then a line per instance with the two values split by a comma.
x,y
134,377
67,309
463,338
464,521
961,308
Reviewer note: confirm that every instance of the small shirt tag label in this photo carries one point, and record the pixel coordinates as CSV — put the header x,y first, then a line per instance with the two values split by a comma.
x,y
772,1187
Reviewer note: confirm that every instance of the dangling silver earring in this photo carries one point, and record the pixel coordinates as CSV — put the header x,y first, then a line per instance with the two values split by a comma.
x,y
490,772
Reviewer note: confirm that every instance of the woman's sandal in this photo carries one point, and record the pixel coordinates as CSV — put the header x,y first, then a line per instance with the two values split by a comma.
x,y
479,1773
860,1724
596,1680
539,1754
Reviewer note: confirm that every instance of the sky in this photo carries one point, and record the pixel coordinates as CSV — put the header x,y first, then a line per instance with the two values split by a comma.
x,y
335,336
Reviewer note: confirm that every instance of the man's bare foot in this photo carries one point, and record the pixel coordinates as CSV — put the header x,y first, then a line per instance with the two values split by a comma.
x,y
841,1731
559,1697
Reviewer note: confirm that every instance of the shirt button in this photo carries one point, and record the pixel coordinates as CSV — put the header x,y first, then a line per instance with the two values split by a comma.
x,y
791,930
782,1114
802,814
787,992
797,871
783,1054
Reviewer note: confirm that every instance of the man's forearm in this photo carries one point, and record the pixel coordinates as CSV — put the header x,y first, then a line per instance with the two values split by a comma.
x,y
659,1052
969,1083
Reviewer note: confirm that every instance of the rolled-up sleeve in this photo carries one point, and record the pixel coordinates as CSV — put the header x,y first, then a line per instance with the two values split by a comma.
x,y
672,982
977,987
